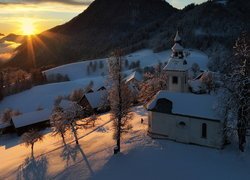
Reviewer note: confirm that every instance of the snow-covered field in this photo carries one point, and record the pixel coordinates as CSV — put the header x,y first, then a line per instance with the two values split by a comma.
x,y
44,95
141,157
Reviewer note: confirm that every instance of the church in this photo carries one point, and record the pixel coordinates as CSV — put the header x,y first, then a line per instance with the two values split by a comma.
x,y
182,116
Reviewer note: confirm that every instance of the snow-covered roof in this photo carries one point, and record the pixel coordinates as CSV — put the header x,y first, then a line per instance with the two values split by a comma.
x,y
176,64
134,75
177,37
4,125
31,118
96,99
188,104
196,85
177,47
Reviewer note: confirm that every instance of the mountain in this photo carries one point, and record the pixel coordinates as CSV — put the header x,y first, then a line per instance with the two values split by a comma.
x,y
212,27
14,38
93,33
1,34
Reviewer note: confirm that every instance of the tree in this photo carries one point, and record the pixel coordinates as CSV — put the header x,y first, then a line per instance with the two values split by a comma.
x,y
208,80
68,119
30,138
8,114
153,83
237,84
119,97
58,124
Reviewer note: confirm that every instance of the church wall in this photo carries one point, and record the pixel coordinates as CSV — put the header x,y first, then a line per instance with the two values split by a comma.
x,y
186,129
182,85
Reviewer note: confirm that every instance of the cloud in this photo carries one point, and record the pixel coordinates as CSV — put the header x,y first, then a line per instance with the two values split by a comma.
x,y
70,2
7,50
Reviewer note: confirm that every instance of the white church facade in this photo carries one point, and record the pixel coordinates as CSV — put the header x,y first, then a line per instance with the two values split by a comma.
x,y
180,115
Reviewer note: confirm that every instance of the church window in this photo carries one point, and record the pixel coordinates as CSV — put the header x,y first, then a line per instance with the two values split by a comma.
x,y
175,80
204,130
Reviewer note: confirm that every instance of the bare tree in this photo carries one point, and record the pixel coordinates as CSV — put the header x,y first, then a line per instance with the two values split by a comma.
x,y
58,124
207,79
30,138
153,82
74,117
119,97
237,85
8,114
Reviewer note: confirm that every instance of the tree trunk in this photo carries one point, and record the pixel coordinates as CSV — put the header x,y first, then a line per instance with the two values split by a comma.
x,y
118,143
74,132
32,150
63,139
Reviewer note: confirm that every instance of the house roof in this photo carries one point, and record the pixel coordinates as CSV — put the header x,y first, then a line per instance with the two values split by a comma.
x,y
134,75
176,64
96,99
4,125
188,104
31,118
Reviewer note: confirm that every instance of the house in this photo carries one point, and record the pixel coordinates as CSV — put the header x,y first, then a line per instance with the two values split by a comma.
x,y
133,81
95,101
27,121
187,118
177,68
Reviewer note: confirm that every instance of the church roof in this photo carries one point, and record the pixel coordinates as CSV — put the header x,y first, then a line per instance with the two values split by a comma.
x,y
176,64
177,37
177,47
188,104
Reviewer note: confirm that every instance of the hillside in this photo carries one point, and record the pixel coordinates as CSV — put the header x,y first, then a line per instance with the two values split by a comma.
x,y
93,33
138,24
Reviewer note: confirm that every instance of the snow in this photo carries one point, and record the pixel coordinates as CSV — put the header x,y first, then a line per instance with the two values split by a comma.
x,y
135,75
201,106
176,64
96,99
44,95
31,118
66,104
177,47
196,85
141,157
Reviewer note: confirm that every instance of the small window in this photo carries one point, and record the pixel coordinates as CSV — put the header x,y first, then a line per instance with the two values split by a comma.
x,y
182,124
175,80
204,130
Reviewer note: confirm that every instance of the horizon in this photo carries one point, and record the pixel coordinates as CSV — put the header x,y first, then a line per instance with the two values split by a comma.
x,y
33,17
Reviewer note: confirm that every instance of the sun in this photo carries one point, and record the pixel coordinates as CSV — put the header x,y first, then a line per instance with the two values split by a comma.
x,y
28,27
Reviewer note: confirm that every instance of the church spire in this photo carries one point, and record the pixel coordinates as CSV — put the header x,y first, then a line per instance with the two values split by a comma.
x,y
177,48
177,38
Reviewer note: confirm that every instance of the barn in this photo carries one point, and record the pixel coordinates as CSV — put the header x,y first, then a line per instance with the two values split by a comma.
x,y
27,121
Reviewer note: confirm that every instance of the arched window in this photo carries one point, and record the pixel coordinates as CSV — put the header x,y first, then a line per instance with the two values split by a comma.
x,y
204,130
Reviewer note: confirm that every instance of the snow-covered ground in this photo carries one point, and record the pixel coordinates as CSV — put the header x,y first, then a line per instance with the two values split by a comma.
x,y
44,95
141,157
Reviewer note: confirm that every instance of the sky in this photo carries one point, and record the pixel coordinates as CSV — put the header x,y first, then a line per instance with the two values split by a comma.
x,y
35,16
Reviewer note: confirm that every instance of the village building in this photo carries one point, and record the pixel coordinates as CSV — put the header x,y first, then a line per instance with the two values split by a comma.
x,y
187,118
32,120
95,101
177,68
